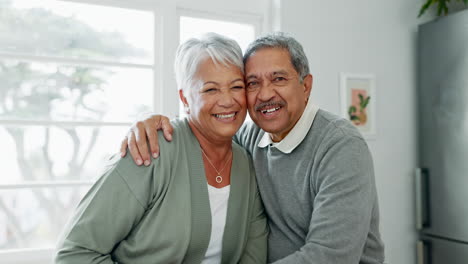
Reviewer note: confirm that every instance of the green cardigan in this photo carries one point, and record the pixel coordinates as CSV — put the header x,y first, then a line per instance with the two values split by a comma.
x,y
161,213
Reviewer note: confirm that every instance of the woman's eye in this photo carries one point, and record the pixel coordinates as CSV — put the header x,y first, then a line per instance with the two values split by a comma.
x,y
238,87
209,90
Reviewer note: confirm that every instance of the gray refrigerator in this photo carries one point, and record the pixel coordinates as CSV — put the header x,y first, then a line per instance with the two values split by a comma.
x,y
442,176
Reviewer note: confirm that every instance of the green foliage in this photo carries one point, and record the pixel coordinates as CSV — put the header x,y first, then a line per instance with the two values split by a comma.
x,y
442,6
363,102
352,110
361,98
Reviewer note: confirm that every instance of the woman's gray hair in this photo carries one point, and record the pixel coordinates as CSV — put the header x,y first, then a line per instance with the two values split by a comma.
x,y
283,41
221,49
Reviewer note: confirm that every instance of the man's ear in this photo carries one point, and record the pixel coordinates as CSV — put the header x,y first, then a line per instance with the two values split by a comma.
x,y
307,82
184,101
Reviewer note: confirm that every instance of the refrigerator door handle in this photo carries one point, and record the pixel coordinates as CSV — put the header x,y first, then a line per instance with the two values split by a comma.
x,y
422,198
423,253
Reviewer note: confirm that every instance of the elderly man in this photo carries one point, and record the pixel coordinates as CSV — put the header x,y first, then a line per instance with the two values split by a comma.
x,y
314,170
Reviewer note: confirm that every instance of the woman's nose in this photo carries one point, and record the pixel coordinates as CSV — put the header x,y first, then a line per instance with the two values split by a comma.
x,y
227,99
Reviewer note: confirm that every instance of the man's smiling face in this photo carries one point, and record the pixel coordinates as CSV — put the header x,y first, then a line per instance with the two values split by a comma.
x,y
276,96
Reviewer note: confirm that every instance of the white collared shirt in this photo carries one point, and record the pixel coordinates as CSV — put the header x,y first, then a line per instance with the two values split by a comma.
x,y
297,133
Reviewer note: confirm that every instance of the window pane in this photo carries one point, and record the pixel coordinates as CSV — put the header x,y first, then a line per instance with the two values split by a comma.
x,y
35,217
49,91
192,26
36,153
59,28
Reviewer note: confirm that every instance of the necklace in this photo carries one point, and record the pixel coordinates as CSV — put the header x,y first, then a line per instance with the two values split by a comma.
x,y
219,178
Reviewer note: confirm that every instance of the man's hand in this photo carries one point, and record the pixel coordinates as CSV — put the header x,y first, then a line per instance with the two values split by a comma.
x,y
139,134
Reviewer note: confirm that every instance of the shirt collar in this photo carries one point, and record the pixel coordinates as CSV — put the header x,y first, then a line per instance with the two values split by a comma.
x,y
297,133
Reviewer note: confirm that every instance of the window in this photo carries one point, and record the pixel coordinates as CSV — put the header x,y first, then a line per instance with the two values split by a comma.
x,y
67,96
191,26
73,76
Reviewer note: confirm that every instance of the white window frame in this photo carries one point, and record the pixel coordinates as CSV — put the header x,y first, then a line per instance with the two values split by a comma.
x,y
167,15
242,18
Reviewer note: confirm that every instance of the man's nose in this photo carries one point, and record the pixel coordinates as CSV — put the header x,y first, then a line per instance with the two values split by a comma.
x,y
266,92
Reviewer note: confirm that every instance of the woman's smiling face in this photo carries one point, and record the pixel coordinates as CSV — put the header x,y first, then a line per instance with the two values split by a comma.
x,y
216,100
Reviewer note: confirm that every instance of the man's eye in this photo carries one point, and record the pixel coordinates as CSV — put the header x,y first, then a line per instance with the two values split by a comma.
x,y
250,84
279,79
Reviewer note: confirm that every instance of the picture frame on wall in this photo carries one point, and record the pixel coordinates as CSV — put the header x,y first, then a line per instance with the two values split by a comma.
x,y
358,97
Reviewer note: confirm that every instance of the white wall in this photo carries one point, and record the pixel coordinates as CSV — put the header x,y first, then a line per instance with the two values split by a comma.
x,y
378,37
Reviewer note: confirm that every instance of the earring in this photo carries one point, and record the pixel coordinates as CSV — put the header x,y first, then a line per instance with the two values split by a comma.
x,y
186,109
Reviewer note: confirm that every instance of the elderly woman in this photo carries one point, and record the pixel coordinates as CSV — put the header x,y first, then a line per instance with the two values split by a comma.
x,y
197,203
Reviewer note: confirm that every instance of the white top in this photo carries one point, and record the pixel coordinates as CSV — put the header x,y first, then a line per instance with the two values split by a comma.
x,y
297,133
218,205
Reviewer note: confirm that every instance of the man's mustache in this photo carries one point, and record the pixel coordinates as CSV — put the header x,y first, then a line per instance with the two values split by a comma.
x,y
266,104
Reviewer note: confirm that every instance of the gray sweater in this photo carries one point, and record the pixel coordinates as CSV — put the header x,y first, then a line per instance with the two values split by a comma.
x,y
320,199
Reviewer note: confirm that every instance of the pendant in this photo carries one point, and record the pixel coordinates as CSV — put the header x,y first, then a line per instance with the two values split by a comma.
x,y
219,179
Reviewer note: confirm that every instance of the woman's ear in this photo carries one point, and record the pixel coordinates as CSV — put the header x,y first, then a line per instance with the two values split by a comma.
x,y
184,101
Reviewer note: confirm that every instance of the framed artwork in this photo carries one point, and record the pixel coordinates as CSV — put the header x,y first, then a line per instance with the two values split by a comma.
x,y
357,92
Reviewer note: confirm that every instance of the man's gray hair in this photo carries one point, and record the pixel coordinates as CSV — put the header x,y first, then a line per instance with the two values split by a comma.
x,y
189,55
283,41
